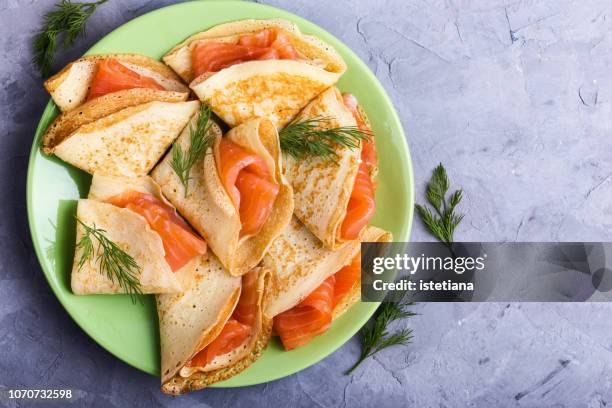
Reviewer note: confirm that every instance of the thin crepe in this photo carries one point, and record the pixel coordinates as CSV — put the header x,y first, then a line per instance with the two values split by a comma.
x,y
322,187
276,89
128,142
315,51
191,320
208,207
130,231
300,263
68,122
69,87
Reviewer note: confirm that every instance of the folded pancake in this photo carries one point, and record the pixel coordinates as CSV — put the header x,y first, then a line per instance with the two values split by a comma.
x,y
133,214
256,68
128,142
300,263
68,122
333,198
237,199
213,330
95,75
314,284
310,49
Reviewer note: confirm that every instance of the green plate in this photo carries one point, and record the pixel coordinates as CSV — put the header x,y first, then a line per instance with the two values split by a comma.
x,y
130,331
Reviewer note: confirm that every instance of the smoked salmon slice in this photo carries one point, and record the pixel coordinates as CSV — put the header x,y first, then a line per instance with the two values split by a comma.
x,y
181,244
257,199
361,205
346,278
259,39
248,182
313,316
232,335
266,44
285,49
246,309
113,76
237,329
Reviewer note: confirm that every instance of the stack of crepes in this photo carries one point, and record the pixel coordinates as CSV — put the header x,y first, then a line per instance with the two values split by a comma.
x,y
284,233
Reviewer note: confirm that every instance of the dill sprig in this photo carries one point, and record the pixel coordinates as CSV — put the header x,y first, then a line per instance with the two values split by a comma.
x,y
114,262
443,222
201,139
310,137
375,336
68,20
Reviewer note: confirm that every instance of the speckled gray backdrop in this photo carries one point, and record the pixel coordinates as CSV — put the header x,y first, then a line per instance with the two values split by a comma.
x,y
514,97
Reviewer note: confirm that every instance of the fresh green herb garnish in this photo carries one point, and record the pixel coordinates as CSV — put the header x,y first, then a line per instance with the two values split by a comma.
x,y
442,224
375,335
309,138
201,139
114,262
68,20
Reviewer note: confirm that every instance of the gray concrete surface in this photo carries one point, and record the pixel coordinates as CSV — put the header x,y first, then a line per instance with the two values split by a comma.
x,y
513,96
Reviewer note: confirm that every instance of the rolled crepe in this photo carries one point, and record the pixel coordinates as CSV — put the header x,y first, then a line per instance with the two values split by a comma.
x,y
191,320
70,87
276,89
130,232
208,207
322,187
128,142
301,263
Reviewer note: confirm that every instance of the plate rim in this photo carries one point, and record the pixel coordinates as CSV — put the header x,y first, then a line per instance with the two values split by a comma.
x,y
405,154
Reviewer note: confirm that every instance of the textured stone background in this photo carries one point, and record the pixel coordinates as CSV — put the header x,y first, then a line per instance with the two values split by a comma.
x,y
515,97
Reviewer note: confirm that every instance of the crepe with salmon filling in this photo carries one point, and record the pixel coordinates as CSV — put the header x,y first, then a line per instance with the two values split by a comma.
x,y
256,68
314,284
133,214
334,197
301,263
215,329
128,142
96,75
237,197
